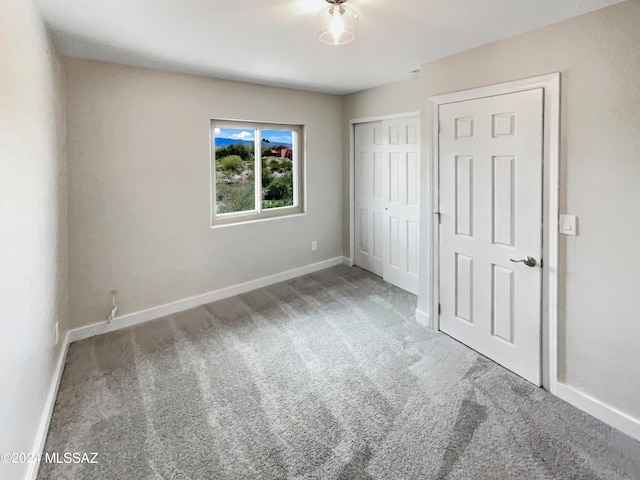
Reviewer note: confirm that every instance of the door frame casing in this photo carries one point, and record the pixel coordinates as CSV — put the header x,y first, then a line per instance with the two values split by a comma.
x,y
352,173
550,207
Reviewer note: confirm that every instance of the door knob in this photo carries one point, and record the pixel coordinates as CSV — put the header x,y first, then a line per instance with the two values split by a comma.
x,y
528,261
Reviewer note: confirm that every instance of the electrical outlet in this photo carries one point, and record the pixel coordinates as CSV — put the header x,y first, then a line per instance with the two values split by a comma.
x,y
57,333
314,246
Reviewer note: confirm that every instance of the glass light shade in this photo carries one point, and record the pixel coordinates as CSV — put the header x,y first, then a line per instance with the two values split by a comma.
x,y
337,24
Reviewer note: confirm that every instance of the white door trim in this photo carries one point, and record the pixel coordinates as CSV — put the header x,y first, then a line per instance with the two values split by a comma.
x,y
352,170
551,134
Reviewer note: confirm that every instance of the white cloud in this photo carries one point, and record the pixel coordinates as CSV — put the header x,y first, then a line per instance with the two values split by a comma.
x,y
242,136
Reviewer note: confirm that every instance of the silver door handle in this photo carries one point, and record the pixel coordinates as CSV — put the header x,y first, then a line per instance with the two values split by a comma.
x,y
528,261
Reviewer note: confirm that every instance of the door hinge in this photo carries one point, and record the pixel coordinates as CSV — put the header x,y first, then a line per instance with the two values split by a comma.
x,y
439,309
541,262
439,216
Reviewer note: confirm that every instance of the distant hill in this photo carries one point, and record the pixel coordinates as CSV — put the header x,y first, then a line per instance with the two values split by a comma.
x,y
276,144
223,142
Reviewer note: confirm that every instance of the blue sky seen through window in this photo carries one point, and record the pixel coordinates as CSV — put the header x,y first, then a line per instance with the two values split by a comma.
x,y
275,137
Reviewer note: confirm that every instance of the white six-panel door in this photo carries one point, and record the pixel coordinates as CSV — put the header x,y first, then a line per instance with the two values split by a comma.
x,y
402,211
490,176
387,176
370,202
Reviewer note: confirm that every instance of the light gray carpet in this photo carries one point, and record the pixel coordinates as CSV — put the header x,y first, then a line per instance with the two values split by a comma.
x,y
322,377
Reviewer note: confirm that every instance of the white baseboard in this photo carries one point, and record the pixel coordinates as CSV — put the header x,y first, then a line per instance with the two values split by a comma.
x,y
348,262
143,316
599,409
423,318
47,412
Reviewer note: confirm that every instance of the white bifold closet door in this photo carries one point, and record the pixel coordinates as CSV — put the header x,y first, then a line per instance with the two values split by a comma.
x,y
387,187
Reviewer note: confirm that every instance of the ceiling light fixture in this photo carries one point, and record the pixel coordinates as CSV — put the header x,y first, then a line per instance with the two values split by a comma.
x,y
339,24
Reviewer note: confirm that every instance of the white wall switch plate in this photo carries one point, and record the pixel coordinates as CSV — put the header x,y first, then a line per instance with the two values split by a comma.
x,y
568,224
314,246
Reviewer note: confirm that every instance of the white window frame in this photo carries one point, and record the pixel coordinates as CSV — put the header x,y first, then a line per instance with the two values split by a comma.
x,y
258,213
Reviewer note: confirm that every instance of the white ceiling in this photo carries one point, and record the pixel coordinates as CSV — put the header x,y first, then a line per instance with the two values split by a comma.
x,y
274,42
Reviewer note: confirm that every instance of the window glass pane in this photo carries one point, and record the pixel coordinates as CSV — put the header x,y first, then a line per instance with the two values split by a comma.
x,y
235,170
277,168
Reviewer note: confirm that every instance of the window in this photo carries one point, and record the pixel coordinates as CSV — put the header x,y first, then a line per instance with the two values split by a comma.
x,y
243,190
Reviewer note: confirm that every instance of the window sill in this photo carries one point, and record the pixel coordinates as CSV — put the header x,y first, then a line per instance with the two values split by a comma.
x,y
248,219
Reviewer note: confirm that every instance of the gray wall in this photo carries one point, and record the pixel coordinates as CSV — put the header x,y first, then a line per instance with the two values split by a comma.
x,y
139,169
33,244
599,60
